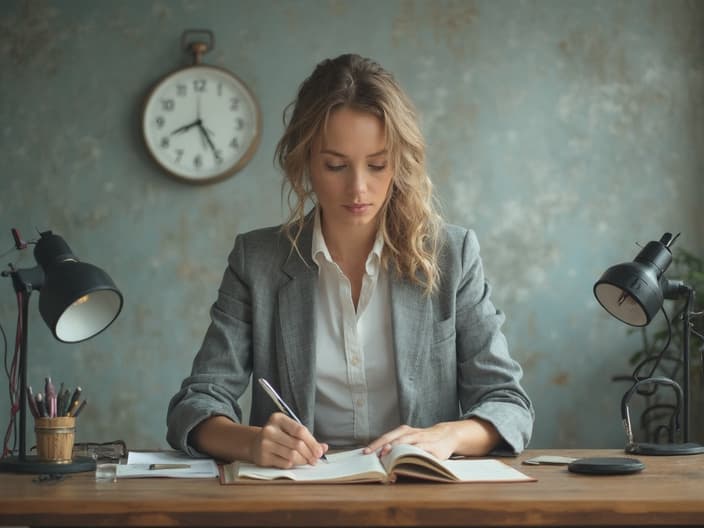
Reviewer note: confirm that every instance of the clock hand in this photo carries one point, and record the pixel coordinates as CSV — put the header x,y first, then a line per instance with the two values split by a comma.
x,y
184,128
206,136
203,139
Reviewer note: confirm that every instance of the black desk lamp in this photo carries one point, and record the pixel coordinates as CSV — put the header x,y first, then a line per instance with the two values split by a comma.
x,y
77,301
633,292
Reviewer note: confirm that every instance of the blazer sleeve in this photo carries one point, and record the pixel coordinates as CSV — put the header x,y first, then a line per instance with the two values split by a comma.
x,y
221,369
488,378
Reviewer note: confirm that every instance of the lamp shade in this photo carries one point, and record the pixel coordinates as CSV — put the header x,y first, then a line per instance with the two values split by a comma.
x,y
77,300
633,291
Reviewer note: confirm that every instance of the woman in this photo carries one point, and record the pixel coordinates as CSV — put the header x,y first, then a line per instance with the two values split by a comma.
x,y
369,315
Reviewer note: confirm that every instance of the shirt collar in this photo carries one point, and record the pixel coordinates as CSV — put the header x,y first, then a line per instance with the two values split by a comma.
x,y
319,248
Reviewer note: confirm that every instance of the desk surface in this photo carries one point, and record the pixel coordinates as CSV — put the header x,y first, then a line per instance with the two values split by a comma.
x,y
670,491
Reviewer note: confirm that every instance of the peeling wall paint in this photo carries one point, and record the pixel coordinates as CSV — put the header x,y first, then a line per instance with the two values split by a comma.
x,y
563,132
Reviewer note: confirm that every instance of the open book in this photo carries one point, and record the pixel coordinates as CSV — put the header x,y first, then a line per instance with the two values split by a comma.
x,y
353,466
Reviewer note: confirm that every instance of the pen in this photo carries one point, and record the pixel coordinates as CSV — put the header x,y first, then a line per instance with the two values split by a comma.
x,y
65,402
74,398
78,410
169,466
41,407
50,397
281,404
60,400
32,402
74,408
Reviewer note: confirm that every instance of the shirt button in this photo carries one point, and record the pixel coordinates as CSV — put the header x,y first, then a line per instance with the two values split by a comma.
x,y
360,402
354,361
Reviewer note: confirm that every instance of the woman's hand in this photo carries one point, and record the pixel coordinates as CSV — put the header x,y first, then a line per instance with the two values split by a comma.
x,y
284,443
471,437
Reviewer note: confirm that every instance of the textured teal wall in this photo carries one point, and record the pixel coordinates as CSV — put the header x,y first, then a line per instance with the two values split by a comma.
x,y
563,132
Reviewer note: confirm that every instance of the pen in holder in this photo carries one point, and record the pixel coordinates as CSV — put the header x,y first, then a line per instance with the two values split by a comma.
x,y
55,437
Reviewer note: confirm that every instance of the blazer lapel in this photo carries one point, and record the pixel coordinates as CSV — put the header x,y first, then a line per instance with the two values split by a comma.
x,y
412,332
296,298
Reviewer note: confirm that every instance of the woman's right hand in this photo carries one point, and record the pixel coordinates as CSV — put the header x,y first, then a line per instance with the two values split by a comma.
x,y
284,443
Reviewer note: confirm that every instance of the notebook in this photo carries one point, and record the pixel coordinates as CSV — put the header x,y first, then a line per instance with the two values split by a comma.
x,y
174,464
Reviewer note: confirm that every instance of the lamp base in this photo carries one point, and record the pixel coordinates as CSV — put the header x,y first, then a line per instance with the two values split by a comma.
x,y
32,464
688,448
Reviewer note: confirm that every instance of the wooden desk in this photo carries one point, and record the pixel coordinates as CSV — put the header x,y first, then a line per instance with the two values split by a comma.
x,y
670,491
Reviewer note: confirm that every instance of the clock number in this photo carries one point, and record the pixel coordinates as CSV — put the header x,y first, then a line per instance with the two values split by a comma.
x,y
218,157
198,161
167,104
239,123
160,122
234,103
179,155
181,90
234,143
165,142
219,89
199,85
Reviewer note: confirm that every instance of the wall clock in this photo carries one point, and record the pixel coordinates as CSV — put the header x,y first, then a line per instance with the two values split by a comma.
x,y
201,123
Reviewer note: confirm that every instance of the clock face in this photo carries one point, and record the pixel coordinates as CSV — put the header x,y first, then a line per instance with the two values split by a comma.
x,y
201,124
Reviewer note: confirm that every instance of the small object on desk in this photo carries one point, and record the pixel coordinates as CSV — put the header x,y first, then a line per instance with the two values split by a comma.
x,y
551,460
153,467
102,452
606,466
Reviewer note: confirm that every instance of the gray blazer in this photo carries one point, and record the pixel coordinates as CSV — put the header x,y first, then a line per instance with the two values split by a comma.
x,y
452,360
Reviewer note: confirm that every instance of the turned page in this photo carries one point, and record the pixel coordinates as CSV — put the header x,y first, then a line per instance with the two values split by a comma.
x,y
411,461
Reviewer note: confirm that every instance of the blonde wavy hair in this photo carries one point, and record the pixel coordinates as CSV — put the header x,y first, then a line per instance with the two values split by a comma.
x,y
408,220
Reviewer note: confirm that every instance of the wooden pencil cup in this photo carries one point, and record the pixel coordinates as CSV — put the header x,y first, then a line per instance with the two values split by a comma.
x,y
55,438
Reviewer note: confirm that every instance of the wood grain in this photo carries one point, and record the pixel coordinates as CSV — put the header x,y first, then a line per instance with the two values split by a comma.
x,y
670,491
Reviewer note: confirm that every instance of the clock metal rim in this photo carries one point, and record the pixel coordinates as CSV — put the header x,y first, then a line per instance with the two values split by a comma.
x,y
243,160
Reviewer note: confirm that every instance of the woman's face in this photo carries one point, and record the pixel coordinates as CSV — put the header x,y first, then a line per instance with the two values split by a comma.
x,y
350,169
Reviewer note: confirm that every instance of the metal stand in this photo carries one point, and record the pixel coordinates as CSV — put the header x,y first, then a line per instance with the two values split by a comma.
x,y
682,395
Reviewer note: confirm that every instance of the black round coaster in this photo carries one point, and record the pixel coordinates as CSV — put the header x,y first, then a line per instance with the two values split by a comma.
x,y
606,465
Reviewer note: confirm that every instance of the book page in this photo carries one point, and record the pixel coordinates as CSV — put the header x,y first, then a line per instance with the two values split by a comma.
x,y
412,461
346,466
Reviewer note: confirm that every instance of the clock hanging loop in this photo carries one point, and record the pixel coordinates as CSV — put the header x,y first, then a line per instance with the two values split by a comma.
x,y
197,47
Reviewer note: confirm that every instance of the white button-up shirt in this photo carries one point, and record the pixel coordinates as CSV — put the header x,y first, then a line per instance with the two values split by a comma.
x,y
356,397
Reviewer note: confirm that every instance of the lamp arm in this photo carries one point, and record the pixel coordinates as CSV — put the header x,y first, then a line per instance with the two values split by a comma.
x,y
24,281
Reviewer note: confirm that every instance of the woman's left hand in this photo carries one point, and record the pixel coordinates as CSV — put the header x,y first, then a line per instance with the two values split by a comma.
x,y
465,437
